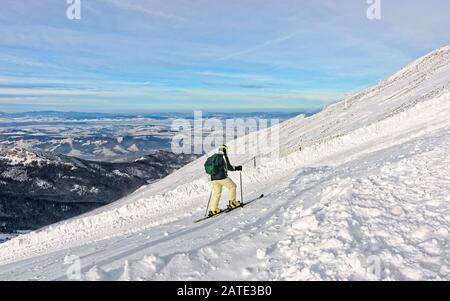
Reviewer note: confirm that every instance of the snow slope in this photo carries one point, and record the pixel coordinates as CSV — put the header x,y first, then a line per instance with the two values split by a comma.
x,y
367,197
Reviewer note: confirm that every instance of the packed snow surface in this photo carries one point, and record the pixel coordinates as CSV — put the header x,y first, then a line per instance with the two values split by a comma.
x,y
360,191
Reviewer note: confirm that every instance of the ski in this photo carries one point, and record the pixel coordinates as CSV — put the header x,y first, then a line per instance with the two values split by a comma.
x,y
207,217
228,210
243,204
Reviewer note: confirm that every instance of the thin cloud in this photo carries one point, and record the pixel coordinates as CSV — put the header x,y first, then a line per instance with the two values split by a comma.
x,y
145,10
266,44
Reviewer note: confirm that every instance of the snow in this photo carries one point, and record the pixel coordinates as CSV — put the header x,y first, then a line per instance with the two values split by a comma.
x,y
119,149
75,153
68,141
16,174
20,156
120,174
106,152
83,190
366,198
43,184
133,148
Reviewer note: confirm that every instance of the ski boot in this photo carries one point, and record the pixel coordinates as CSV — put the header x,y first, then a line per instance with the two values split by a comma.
x,y
234,204
214,213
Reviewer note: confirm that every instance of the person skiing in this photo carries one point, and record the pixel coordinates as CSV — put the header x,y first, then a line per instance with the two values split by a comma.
x,y
218,166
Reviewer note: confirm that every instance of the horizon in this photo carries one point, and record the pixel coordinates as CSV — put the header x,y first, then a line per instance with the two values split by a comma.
x,y
141,56
249,111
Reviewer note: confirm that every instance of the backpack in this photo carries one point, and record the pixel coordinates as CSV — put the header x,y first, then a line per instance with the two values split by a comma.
x,y
213,164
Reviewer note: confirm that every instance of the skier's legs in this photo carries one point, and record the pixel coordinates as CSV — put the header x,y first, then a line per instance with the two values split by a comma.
x,y
216,193
231,186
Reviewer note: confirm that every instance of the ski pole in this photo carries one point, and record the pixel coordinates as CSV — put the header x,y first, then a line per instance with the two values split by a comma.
x,y
207,206
242,194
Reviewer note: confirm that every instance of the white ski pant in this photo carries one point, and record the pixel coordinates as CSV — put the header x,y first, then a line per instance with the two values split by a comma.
x,y
217,191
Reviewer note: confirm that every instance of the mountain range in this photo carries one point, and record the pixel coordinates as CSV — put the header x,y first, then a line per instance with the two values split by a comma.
x,y
37,189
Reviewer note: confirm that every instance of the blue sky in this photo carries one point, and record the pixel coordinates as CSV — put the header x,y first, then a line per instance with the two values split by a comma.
x,y
215,55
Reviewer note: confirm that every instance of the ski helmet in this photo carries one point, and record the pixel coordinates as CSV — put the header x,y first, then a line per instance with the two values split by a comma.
x,y
223,148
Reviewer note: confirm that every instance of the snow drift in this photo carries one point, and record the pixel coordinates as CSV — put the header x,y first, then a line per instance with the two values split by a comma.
x,y
360,191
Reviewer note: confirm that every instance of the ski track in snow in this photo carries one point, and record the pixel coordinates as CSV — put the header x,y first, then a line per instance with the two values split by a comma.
x,y
366,199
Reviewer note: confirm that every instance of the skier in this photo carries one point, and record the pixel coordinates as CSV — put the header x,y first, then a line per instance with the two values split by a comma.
x,y
217,166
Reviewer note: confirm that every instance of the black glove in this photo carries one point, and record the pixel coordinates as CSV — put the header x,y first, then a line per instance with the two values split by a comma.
x,y
238,168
